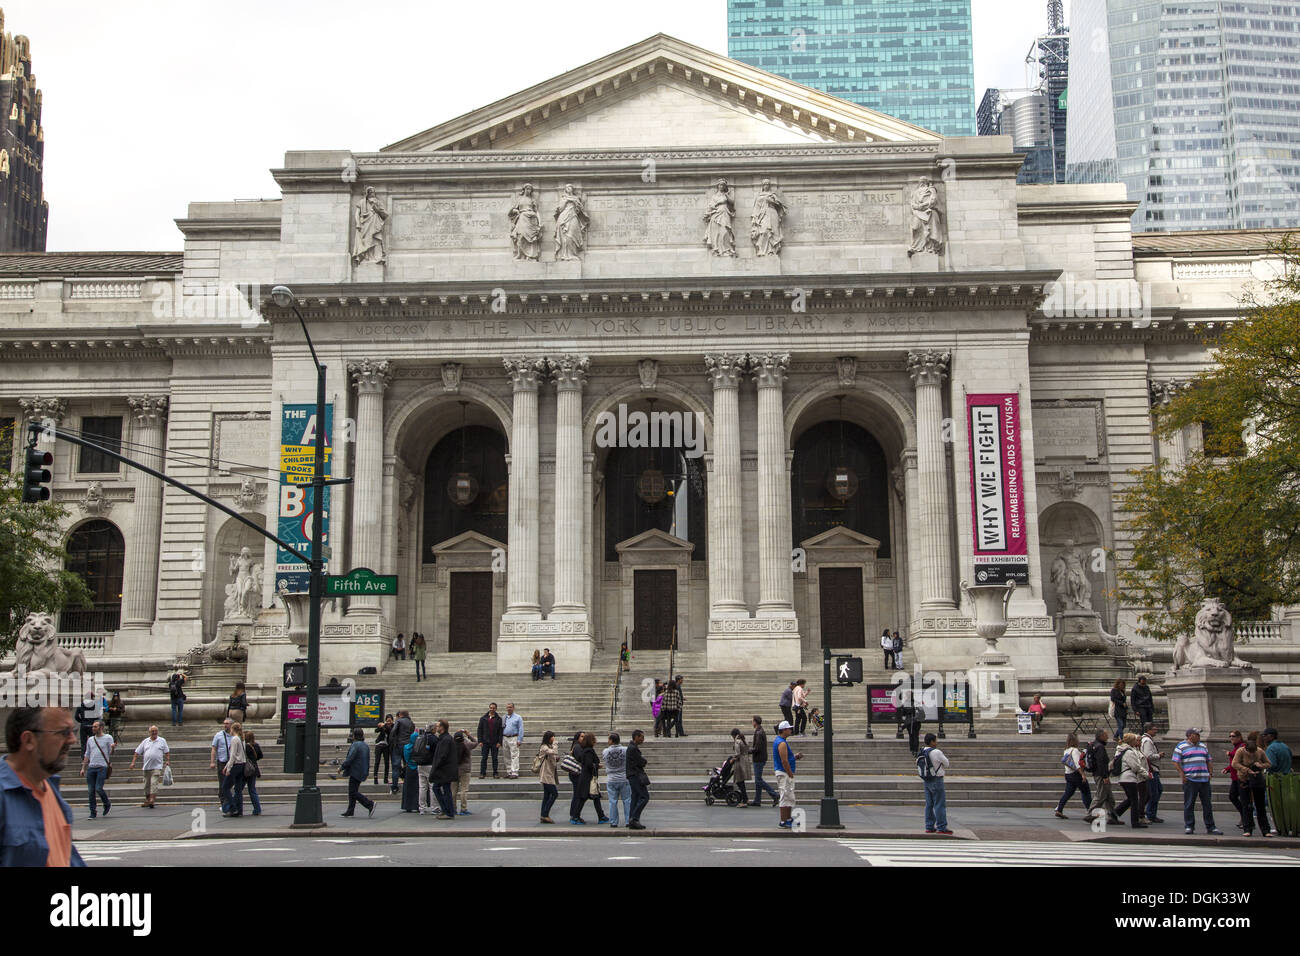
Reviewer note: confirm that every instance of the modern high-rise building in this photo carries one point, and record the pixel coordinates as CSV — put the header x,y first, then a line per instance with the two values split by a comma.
x,y
911,59
23,210
1193,105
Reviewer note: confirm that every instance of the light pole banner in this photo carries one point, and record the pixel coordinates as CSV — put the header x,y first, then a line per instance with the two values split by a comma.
x,y
997,489
296,512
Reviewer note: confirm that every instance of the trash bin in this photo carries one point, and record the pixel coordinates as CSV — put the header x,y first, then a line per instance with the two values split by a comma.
x,y
295,746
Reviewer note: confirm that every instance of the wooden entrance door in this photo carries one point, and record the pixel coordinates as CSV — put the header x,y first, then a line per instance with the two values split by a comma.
x,y
654,598
470,615
841,607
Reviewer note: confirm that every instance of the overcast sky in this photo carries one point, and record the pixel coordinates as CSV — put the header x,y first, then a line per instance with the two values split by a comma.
x,y
152,104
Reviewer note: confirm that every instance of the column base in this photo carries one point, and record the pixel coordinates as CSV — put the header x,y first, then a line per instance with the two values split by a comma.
x,y
949,642
754,644
569,640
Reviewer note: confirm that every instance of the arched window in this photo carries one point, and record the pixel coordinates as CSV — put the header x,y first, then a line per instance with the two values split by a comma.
x,y
481,502
654,488
96,552
822,449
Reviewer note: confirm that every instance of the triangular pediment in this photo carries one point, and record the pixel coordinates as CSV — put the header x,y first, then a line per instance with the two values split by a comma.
x,y
664,93
654,540
840,538
468,542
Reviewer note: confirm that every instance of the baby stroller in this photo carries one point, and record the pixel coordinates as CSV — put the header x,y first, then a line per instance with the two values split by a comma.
x,y
718,787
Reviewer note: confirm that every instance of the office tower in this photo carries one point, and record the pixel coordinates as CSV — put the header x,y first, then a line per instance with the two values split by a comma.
x,y
23,210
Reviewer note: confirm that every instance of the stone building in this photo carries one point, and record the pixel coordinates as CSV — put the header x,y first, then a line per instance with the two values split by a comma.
x,y
665,348
24,213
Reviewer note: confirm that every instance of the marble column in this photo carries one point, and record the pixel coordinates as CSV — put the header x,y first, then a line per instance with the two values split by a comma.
x,y
928,369
570,374
776,576
525,497
370,378
140,574
726,554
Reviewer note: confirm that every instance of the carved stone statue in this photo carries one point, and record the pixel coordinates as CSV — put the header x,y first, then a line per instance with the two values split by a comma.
x,y
1071,579
927,221
525,225
719,233
371,218
242,595
1211,645
37,649
571,223
765,221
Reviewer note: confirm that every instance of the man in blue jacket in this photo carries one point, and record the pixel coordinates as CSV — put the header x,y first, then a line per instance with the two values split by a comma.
x,y
357,766
35,820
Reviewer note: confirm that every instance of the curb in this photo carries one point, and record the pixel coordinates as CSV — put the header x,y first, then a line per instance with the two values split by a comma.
x,y
591,830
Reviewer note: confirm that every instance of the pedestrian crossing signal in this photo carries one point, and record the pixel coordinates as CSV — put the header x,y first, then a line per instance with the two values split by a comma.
x,y
848,670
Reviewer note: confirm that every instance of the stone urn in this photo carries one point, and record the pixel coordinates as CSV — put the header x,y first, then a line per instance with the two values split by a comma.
x,y
298,604
990,603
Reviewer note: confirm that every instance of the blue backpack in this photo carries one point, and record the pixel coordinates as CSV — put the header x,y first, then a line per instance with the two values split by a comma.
x,y
925,769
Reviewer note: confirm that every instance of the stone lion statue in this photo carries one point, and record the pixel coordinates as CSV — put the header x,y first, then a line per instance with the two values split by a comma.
x,y
1211,644
38,648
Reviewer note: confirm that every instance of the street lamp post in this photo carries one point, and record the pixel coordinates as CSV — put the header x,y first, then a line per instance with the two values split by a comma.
x,y
308,811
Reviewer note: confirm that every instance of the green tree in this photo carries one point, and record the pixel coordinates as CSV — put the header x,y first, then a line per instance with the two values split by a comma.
x,y
32,577
1226,523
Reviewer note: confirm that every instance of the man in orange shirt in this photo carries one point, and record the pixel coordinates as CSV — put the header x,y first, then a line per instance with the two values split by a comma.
x,y
35,820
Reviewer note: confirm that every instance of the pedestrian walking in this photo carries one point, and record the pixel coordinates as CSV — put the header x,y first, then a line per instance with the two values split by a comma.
x,y
1194,768
419,652
898,651
931,766
1235,743
741,764
97,766
1251,764
1097,763
638,779
1118,709
176,693
1144,707
252,769
237,704
155,757
912,716
422,748
614,760
758,759
800,706
410,777
446,770
220,754
1072,762
672,708
491,730
116,716
88,711
679,681
399,739
235,770
512,733
657,706
787,704
35,820
784,761
383,733
585,781
464,769
356,767
887,645
625,658
547,757
1133,775
1155,786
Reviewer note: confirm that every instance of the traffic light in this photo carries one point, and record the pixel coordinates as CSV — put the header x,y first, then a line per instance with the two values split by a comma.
x,y
37,475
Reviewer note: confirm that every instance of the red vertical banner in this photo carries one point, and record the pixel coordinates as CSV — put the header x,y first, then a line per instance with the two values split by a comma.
x,y
997,469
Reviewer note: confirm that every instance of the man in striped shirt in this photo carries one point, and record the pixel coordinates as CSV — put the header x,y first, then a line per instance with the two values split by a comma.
x,y
1193,762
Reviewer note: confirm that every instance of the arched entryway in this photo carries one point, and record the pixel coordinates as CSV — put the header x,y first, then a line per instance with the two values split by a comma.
x,y
97,553
1069,525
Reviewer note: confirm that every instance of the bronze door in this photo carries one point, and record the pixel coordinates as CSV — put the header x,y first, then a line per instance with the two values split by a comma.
x,y
841,607
654,609
470,615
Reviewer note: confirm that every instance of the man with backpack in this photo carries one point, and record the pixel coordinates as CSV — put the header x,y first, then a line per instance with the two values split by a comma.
x,y
176,691
1097,763
422,746
931,764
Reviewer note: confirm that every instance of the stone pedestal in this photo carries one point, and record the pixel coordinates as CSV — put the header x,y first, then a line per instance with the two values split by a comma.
x,y
994,687
569,641
1215,699
749,644
1080,631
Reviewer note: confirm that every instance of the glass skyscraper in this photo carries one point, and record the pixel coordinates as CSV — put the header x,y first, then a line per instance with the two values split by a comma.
x,y
911,59
1194,105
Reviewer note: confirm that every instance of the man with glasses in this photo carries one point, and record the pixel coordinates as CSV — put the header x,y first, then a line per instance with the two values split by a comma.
x,y
35,820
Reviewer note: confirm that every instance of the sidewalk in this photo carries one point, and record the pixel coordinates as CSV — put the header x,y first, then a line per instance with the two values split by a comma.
x,y
519,818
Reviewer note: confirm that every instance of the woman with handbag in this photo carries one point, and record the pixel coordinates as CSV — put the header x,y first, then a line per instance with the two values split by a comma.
x,y
1251,764
237,705
235,770
586,784
252,769
544,764
742,764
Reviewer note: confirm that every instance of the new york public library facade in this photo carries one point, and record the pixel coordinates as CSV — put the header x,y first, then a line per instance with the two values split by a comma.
x,y
836,299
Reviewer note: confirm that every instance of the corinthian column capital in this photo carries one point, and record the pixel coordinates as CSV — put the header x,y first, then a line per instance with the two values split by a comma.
x,y
525,373
725,369
569,372
369,375
42,409
928,367
770,368
148,409
1162,393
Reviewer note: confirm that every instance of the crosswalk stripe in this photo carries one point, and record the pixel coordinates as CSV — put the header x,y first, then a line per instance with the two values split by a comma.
x,y
995,853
